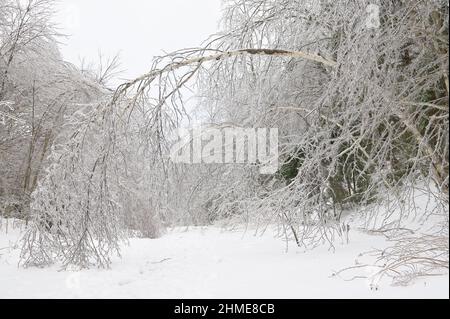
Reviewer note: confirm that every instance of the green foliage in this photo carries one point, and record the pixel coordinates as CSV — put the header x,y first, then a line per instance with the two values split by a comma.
x,y
290,168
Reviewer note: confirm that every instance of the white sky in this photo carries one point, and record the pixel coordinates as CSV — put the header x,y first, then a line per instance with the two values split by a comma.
x,y
138,29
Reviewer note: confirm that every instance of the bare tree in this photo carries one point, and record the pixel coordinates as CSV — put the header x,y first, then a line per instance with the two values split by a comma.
x,y
362,108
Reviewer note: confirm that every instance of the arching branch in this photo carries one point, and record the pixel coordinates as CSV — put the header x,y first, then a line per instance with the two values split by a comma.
x,y
150,76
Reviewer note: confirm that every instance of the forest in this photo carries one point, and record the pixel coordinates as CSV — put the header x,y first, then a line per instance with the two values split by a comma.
x,y
357,90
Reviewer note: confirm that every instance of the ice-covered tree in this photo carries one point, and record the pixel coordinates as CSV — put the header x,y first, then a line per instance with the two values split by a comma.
x,y
358,90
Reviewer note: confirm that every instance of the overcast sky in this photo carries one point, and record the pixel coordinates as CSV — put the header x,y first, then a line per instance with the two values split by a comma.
x,y
138,29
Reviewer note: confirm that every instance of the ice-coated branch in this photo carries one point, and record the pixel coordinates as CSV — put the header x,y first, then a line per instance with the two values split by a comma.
x,y
225,55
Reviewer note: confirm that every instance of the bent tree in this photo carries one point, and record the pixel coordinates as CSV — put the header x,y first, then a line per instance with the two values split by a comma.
x,y
363,119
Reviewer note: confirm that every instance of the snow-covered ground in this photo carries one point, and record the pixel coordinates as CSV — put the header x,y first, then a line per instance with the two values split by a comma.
x,y
209,263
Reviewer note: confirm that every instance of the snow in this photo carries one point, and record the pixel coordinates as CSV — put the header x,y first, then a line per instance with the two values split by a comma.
x,y
209,263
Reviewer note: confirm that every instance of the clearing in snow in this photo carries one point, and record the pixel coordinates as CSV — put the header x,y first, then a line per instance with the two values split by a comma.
x,y
207,262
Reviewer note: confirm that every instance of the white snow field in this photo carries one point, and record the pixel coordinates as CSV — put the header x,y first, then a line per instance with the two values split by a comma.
x,y
209,263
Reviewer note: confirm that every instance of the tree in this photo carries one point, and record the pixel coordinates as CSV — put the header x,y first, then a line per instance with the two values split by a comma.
x,y
361,102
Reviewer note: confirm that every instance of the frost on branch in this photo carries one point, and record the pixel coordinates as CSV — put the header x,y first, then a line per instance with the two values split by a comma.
x,y
362,110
